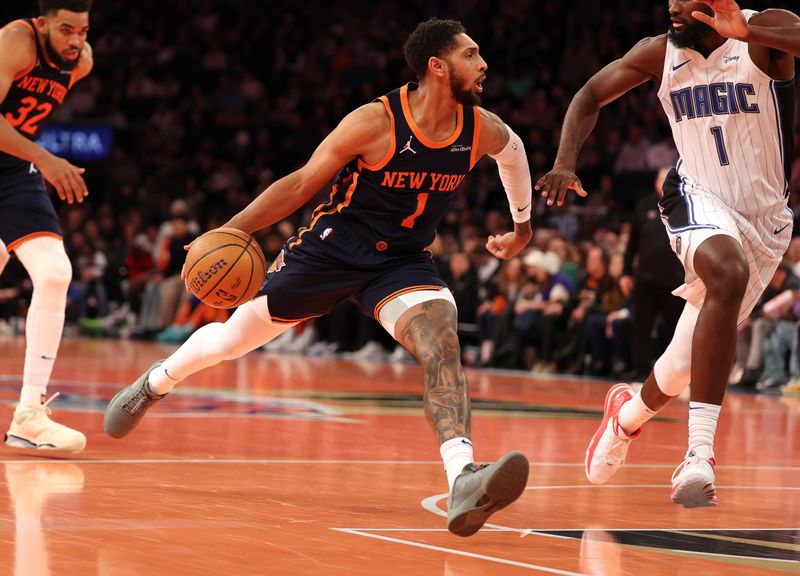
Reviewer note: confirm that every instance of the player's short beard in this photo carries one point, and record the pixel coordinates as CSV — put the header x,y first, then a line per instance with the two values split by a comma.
x,y
690,35
462,95
56,58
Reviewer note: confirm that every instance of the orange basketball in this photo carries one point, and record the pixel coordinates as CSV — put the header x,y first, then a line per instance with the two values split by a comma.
x,y
225,268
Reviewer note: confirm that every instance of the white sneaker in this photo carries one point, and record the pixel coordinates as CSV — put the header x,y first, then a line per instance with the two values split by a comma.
x,y
693,482
609,446
31,427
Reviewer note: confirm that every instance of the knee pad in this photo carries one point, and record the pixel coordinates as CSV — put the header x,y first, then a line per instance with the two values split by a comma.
x,y
48,266
391,312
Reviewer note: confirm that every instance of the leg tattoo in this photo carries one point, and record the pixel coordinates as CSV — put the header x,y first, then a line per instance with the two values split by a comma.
x,y
431,336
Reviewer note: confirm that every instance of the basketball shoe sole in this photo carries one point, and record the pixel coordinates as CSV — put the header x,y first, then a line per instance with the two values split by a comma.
x,y
609,446
129,406
693,482
479,492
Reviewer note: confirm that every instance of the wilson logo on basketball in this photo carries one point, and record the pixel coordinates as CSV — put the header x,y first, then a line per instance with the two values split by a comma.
x,y
203,276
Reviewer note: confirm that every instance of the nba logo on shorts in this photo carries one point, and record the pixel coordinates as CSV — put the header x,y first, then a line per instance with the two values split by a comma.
x,y
678,245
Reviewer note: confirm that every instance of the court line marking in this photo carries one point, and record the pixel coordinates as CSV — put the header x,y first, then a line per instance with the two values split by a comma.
x,y
38,458
459,552
726,486
714,529
366,532
431,505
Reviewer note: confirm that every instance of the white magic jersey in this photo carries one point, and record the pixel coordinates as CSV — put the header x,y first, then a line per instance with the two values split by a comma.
x,y
732,126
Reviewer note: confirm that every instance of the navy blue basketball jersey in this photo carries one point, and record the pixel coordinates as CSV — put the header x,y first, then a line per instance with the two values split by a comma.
x,y
394,206
34,95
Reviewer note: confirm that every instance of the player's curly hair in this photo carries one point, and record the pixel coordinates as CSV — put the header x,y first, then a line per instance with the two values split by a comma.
x,y
48,6
433,37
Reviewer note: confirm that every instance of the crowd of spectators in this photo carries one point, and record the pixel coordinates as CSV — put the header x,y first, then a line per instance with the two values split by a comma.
x,y
212,100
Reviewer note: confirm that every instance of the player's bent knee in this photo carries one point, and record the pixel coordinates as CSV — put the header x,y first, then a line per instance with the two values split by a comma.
x,y
672,374
724,271
60,272
46,262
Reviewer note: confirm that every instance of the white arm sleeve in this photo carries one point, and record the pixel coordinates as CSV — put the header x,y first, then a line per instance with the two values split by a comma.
x,y
512,163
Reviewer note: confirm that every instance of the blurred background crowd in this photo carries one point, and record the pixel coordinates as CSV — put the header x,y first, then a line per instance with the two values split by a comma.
x,y
211,101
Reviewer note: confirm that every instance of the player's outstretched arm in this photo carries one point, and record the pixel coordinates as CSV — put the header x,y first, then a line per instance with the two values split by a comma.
x,y
18,48
642,63
773,28
353,137
500,142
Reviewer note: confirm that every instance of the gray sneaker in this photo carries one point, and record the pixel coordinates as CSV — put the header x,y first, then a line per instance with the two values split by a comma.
x,y
128,407
479,492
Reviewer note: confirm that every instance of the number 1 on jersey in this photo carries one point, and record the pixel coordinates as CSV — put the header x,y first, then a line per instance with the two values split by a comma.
x,y
720,141
408,221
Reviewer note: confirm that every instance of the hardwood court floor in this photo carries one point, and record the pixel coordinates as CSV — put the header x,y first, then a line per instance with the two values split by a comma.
x,y
294,465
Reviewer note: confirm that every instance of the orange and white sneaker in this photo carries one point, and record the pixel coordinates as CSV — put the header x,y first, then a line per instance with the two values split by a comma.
x,y
31,427
693,482
609,445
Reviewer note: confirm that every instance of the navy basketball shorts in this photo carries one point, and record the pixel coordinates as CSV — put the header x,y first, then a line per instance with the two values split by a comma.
x,y
26,210
309,281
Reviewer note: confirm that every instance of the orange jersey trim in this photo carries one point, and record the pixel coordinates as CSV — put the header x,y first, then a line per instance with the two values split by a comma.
x,y
28,25
319,213
20,241
392,143
323,206
394,295
473,156
418,131
73,78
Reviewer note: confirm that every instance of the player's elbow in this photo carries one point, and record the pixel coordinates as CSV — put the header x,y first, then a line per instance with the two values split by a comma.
x,y
586,99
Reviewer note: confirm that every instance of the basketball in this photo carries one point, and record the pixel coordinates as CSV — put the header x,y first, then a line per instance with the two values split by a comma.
x,y
224,268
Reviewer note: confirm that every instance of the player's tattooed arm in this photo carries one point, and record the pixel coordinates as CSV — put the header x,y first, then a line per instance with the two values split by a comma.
x,y
431,337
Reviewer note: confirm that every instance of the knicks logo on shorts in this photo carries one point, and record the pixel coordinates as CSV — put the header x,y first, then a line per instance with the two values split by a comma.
x,y
278,263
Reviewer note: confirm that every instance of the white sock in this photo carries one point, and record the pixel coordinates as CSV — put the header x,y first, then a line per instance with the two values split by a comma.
x,y
634,413
160,382
35,377
43,327
456,453
702,427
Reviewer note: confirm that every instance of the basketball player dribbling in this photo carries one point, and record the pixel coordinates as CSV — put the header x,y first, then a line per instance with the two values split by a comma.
x,y
399,161
727,86
42,58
